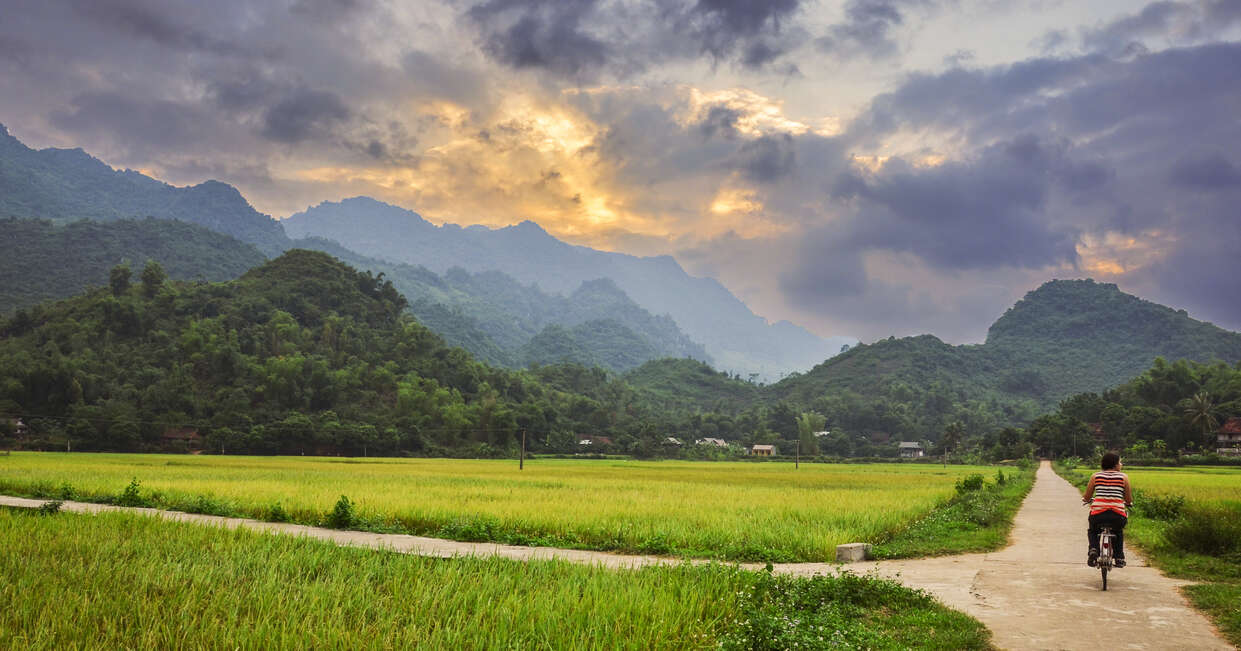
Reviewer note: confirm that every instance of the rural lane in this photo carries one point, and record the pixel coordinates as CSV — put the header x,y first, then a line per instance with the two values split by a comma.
x,y
1037,593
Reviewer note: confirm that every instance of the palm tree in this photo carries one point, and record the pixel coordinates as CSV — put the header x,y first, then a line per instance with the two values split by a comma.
x,y
1201,411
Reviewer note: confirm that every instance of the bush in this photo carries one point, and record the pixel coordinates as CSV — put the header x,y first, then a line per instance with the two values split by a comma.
x,y
1158,507
342,515
277,513
1210,529
1000,479
131,497
970,483
50,508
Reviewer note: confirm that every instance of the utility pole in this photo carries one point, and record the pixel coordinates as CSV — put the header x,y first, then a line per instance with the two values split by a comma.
x,y
521,460
797,459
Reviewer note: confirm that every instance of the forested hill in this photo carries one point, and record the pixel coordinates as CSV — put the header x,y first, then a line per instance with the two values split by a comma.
x,y
1084,336
735,338
65,185
505,323
43,260
302,354
1063,338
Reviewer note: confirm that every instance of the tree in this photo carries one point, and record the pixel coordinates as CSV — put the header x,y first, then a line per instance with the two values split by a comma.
x,y
153,278
954,432
807,424
118,279
1202,412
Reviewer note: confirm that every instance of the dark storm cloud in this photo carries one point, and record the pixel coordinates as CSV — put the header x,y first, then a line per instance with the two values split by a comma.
x,y
1103,152
303,115
1209,172
578,38
548,34
144,123
867,29
1180,22
768,158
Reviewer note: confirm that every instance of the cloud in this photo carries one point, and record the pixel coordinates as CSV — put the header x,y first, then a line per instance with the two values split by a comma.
x,y
867,29
1182,23
580,39
1209,172
302,115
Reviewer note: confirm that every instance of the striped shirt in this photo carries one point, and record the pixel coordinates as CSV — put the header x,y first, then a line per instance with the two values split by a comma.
x,y
1109,492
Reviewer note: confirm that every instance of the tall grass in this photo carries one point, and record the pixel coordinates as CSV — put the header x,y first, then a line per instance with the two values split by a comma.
x,y
123,581
734,511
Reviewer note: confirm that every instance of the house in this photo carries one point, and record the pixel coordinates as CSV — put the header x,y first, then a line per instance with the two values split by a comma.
x,y
18,427
819,435
1228,438
719,443
763,450
182,437
1096,430
911,450
594,440
672,441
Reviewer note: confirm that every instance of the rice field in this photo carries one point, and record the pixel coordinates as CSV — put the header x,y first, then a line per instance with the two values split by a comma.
x,y
125,581
1195,483
734,511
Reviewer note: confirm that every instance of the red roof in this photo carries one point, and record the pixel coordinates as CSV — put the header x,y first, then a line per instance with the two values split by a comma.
x,y
1233,426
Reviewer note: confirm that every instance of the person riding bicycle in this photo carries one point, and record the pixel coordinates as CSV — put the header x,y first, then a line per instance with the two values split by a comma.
x,y
1109,496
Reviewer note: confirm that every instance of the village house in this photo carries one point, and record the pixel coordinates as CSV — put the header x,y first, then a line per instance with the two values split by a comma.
x,y
763,450
719,443
672,441
594,440
1228,438
911,450
186,438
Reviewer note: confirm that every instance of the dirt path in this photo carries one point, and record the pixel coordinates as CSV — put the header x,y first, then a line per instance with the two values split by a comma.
x,y
1037,593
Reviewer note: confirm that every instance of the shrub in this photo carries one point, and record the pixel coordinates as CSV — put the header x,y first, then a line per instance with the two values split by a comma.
x,y
1210,529
131,497
342,515
277,513
1000,479
1159,507
970,483
50,508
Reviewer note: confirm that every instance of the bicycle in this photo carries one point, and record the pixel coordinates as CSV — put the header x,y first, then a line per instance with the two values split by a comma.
x,y
1104,561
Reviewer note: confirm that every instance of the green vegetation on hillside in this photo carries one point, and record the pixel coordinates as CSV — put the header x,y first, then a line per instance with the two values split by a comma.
x,y
298,355
67,185
44,261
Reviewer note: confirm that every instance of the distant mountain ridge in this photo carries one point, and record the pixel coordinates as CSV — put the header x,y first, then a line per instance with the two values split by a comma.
x,y
734,337
506,323
64,185
35,268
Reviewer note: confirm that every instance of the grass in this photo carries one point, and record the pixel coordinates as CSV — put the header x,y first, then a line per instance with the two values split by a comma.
x,y
973,521
1172,535
727,511
124,581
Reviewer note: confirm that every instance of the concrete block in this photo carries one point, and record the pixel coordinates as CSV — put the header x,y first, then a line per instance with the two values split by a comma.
x,y
852,552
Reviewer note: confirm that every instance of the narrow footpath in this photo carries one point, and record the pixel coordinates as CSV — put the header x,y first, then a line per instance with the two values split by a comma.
x,y
1037,593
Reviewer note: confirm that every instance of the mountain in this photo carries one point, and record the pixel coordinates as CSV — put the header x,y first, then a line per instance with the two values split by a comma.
x,y
1064,338
65,185
736,338
498,319
300,354
35,266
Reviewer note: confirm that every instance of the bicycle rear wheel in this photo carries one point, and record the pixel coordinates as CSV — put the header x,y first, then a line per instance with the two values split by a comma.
x,y
1103,571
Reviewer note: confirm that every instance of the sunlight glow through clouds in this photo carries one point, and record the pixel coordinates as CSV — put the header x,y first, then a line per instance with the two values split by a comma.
x,y
1115,254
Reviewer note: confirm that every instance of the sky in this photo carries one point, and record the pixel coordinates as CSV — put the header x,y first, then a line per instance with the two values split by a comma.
x,y
863,168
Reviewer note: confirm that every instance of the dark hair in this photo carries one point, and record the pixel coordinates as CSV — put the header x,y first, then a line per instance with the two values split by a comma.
x,y
1110,460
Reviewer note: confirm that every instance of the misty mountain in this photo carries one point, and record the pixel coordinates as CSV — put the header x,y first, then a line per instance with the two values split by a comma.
x,y
65,185
507,323
35,266
736,338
